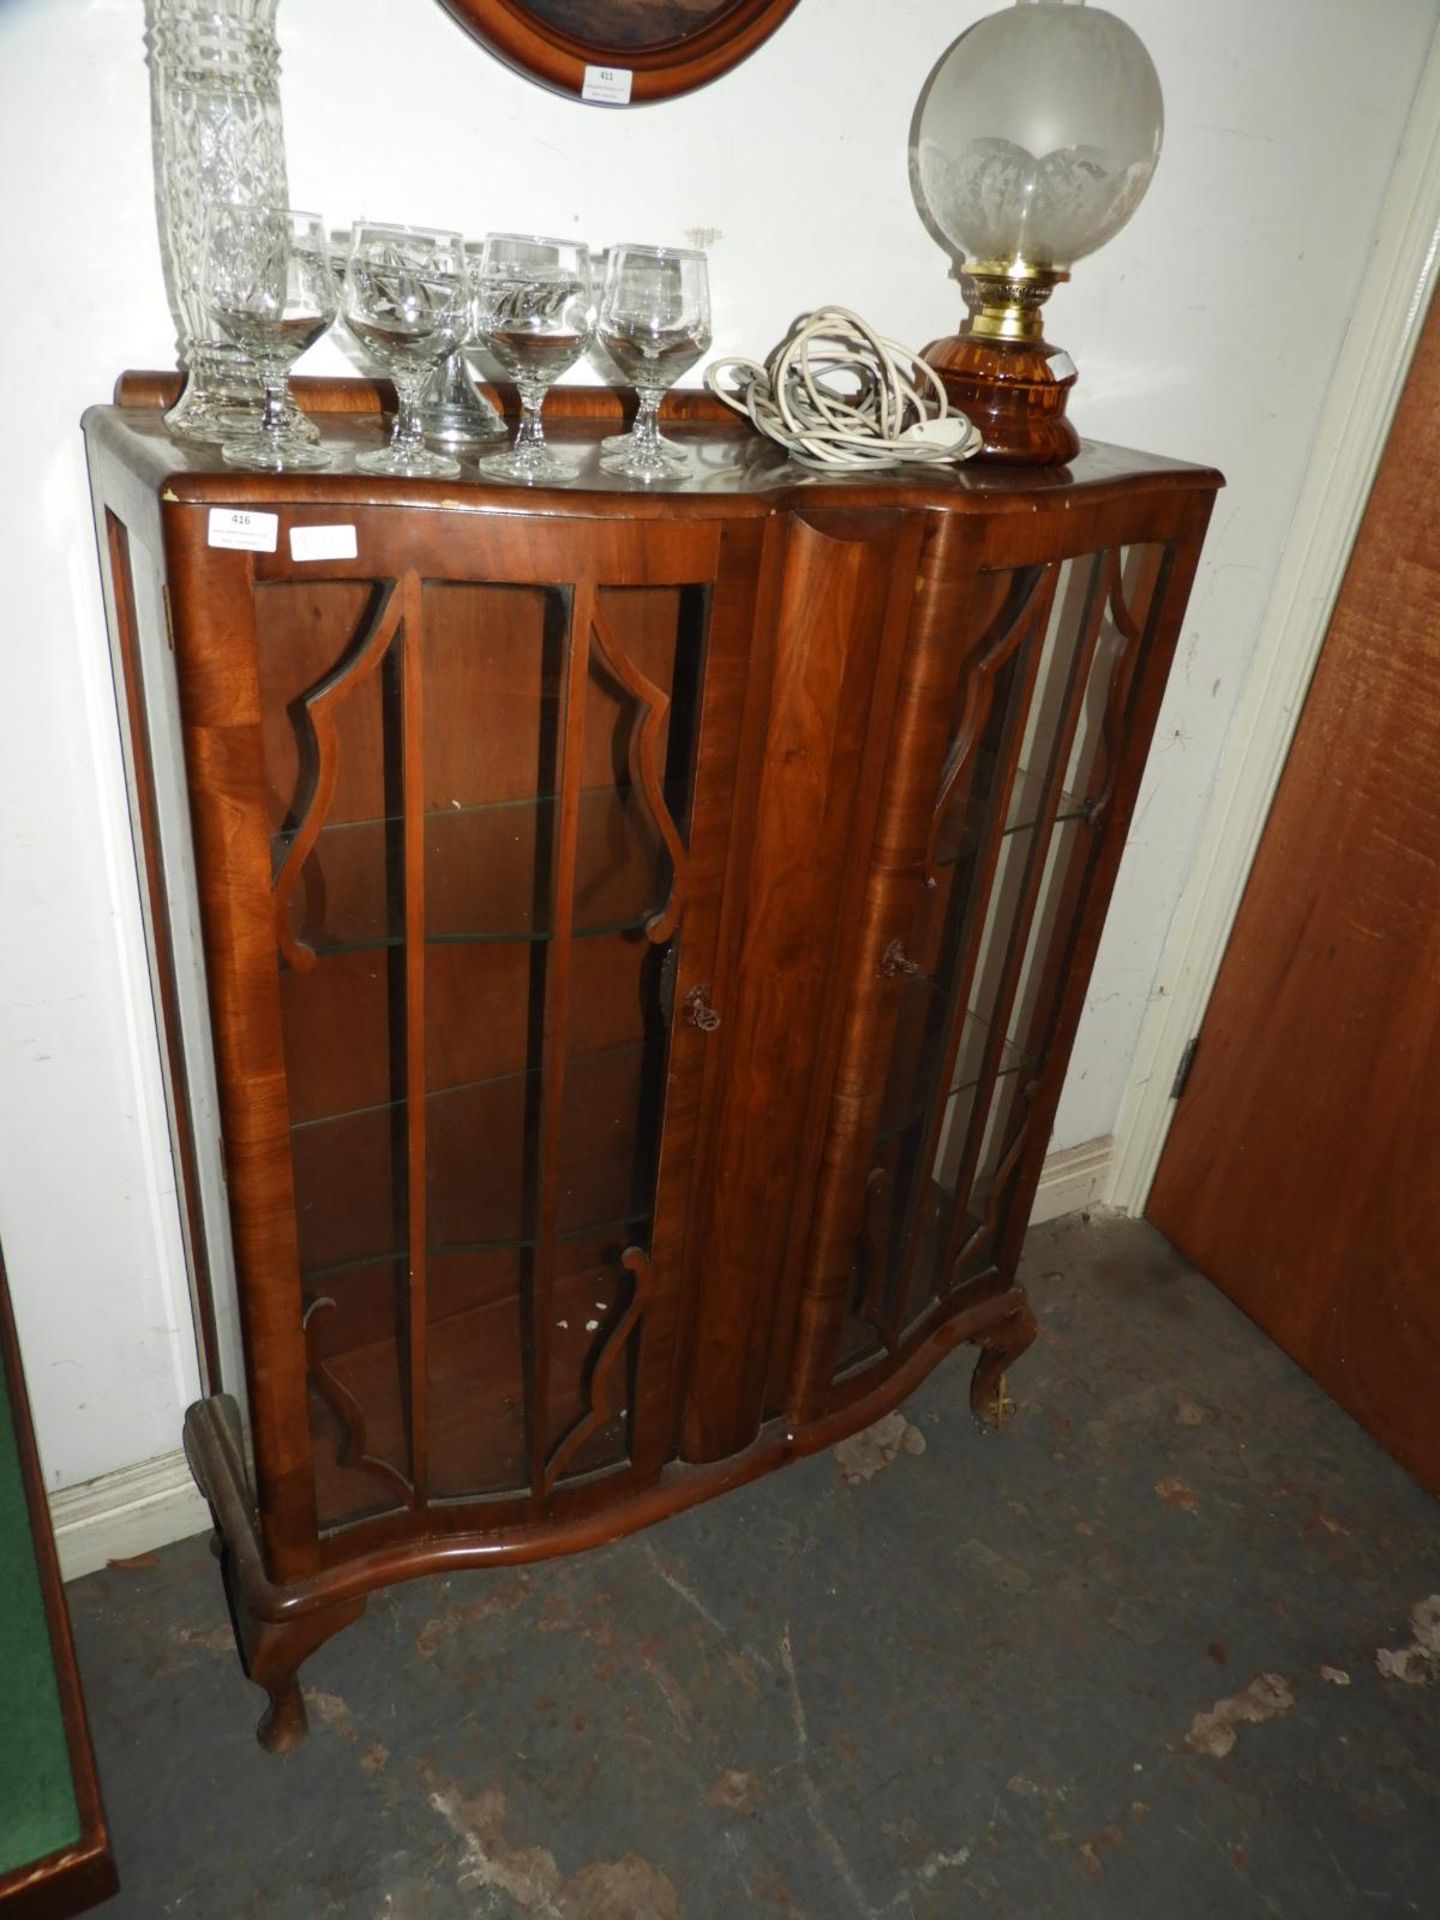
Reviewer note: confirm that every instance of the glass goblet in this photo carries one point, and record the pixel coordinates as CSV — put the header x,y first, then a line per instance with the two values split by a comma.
x,y
654,324
266,282
457,416
405,302
532,309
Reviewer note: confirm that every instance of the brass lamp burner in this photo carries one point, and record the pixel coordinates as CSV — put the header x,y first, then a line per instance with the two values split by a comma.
x,y
999,368
1005,298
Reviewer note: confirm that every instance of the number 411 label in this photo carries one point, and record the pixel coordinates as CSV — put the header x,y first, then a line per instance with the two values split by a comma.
x,y
609,85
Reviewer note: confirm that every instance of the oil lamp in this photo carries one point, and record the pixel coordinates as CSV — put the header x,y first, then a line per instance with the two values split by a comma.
x,y
1033,142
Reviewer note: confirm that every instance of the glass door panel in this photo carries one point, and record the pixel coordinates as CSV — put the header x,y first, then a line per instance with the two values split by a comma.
x,y
546,1034
480,802
476,1372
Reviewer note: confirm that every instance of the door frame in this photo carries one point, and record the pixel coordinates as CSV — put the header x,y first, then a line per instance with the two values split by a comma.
x,y
1354,426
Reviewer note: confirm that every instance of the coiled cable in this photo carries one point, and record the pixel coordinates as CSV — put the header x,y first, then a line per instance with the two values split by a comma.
x,y
839,396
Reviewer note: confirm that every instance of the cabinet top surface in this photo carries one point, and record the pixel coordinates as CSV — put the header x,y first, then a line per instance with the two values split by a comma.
x,y
732,470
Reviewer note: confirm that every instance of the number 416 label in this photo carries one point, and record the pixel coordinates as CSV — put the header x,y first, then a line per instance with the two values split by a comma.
x,y
240,527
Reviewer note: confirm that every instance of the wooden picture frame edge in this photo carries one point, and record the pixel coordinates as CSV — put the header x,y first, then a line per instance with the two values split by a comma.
x,y
559,61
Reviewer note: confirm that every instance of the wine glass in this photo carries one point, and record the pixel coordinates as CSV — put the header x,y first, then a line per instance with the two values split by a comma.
x,y
532,309
405,302
654,324
266,282
456,416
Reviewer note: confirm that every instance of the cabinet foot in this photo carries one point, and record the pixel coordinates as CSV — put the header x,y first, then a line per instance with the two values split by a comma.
x,y
1000,1346
283,1724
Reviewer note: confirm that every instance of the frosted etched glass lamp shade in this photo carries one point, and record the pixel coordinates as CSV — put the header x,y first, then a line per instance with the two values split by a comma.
x,y
1033,142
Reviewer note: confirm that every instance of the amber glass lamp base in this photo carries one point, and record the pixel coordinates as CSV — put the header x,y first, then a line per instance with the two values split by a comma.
x,y
1015,391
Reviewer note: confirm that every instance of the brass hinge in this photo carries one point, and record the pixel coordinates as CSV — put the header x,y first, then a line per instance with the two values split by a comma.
x,y
1182,1072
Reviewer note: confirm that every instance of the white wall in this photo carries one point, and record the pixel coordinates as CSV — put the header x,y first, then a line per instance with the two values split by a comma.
x,y
1208,329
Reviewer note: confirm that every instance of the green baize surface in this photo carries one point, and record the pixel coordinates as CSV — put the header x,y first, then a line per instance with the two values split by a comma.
x,y
38,1815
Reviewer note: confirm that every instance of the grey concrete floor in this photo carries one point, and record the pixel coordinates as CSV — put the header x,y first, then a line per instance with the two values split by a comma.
x,y
1123,1659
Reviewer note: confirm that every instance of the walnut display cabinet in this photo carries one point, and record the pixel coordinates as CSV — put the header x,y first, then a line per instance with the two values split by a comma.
x,y
616,951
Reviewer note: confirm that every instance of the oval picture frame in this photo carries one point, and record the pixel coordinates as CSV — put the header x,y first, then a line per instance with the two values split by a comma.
x,y
563,43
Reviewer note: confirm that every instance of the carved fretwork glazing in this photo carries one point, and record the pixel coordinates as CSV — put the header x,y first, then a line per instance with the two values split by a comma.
x,y
480,798
632,730
1041,718
331,666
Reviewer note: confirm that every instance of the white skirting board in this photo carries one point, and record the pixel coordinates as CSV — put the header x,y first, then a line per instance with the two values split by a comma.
x,y
133,1510
138,1509
1072,1181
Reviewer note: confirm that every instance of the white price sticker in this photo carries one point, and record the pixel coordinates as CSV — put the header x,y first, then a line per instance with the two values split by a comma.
x,y
1061,366
609,85
322,543
240,527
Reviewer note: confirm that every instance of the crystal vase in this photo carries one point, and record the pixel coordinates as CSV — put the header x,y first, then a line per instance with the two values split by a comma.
x,y
215,105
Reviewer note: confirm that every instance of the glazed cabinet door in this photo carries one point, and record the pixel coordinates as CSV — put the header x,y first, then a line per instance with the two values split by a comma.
x,y
983,904
462,809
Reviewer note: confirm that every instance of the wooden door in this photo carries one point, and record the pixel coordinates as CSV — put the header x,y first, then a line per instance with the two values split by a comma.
x,y
462,811
1302,1173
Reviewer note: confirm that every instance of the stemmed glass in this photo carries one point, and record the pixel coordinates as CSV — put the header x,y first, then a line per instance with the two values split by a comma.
x,y
532,309
457,416
266,281
654,324
405,302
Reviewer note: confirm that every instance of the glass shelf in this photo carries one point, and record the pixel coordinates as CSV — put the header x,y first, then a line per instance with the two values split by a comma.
x,y
964,820
581,1063
626,1227
488,873
480,1149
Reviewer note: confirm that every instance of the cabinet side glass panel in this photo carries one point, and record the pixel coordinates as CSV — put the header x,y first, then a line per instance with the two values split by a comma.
x,y
330,677
1128,586
1018,830
159,800
999,1070
1023,791
936,1047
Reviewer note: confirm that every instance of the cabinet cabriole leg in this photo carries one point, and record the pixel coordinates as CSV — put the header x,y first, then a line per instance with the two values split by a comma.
x,y
273,1644
1000,1347
273,1657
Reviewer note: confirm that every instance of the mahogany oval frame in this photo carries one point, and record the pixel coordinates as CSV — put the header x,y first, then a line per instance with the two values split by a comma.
x,y
558,60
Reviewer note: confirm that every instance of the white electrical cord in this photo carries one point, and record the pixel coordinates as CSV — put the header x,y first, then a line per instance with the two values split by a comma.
x,y
888,407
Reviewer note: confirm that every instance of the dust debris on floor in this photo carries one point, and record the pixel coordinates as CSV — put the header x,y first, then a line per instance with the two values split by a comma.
x,y
1153,1650
1418,1665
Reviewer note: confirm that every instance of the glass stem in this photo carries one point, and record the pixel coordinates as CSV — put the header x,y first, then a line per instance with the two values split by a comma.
x,y
408,434
646,431
274,415
530,434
